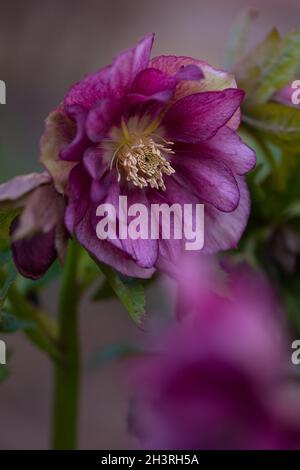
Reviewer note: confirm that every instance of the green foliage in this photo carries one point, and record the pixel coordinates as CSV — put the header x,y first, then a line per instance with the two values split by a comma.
x,y
10,323
10,277
6,218
269,67
278,123
129,291
238,38
272,238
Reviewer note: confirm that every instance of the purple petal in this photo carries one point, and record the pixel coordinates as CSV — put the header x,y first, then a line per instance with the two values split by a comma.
x,y
89,90
99,189
102,117
113,81
127,65
209,179
151,81
144,252
93,162
224,230
170,251
43,210
153,84
197,118
136,99
189,72
105,252
74,151
75,210
285,95
79,189
227,147
19,186
33,256
214,79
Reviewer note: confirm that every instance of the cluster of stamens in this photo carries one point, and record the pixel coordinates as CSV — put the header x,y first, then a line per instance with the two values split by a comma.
x,y
144,163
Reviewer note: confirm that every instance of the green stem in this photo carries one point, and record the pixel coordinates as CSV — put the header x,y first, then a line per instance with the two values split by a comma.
x,y
44,334
66,386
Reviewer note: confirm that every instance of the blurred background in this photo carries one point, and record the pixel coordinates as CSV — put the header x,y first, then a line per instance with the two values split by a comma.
x,y
44,48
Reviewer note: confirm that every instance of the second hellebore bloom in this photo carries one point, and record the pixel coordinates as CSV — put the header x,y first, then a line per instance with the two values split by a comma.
x,y
37,232
217,379
160,130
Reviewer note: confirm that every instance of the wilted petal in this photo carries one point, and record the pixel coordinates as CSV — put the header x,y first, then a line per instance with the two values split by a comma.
x,y
74,150
59,131
42,212
33,256
12,192
197,118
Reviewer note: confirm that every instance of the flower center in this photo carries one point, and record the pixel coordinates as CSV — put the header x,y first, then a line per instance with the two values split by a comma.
x,y
144,162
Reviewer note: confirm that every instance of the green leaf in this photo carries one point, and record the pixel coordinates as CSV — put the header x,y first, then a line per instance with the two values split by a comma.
x,y
281,124
10,324
129,291
104,292
6,218
238,38
250,70
279,71
11,276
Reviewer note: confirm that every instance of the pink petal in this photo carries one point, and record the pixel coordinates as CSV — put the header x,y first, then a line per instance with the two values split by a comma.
x,y
127,65
113,81
19,186
224,230
105,252
214,79
93,162
227,147
197,118
102,117
210,180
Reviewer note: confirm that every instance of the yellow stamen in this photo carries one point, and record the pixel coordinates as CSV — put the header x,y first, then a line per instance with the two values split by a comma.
x,y
144,163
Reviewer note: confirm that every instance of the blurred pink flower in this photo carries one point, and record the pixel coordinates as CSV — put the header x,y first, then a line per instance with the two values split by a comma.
x,y
218,378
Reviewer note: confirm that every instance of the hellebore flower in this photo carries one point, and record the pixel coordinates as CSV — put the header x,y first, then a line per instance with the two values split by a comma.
x,y
156,131
218,379
37,233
